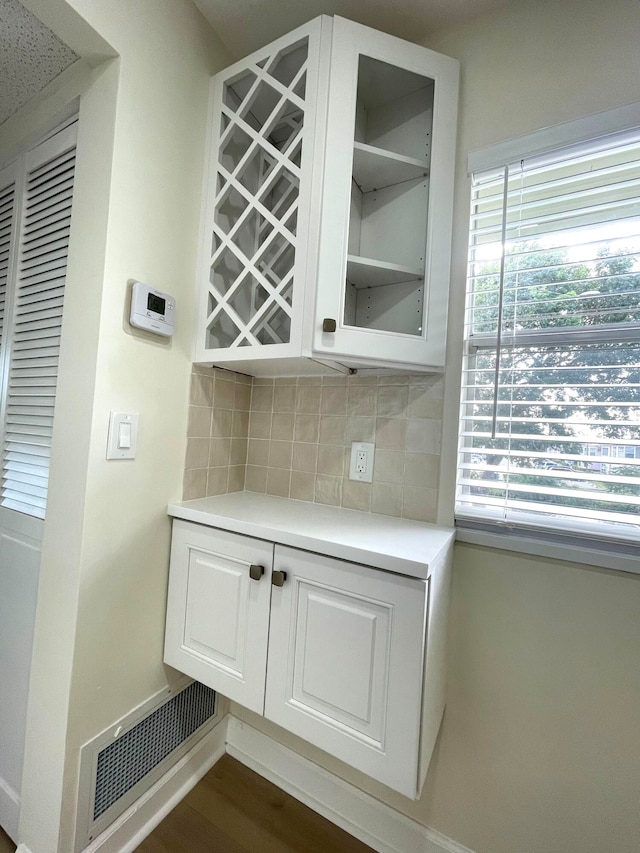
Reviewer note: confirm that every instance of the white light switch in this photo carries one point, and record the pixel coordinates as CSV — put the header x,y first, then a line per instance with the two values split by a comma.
x,y
123,435
124,439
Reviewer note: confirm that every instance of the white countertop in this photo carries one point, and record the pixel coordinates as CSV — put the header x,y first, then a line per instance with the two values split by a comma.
x,y
395,544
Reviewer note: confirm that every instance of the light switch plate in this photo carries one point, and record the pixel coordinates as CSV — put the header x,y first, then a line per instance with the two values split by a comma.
x,y
123,435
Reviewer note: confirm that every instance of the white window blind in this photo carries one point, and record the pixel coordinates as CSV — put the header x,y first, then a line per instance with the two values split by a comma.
x,y
32,322
550,418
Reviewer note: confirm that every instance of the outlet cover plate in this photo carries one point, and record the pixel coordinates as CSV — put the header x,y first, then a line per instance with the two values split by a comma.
x,y
361,464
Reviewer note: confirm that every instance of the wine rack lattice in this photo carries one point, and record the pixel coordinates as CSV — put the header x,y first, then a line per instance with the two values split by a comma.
x,y
255,210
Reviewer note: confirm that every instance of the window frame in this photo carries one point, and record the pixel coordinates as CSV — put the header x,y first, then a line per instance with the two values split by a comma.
x,y
570,545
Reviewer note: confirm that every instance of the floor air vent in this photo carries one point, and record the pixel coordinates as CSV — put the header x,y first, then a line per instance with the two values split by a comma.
x,y
124,761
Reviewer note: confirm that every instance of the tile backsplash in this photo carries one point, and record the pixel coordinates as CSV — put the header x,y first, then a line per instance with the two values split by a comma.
x,y
292,437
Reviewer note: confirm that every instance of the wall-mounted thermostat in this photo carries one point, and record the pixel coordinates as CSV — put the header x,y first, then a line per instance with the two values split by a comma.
x,y
152,310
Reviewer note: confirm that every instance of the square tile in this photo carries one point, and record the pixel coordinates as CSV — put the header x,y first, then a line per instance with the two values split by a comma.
x,y
308,399
236,478
221,420
422,469
388,466
386,499
260,424
392,401
262,398
238,454
361,400
359,429
332,429
194,484
391,433
199,422
242,397
217,480
284,398
224,392
302,485
328,490
333,400
258,452
201,390
330,460
356,495
282,426
278,481
280,453
255,479
307,428
197,453
219,452
423,435
419,504
239,424
304,457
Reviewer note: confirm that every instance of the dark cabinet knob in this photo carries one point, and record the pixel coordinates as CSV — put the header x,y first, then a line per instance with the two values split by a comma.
x,y
328,324
256,572
278,578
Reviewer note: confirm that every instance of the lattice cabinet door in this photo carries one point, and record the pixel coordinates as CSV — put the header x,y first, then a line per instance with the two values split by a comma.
x,y
257,222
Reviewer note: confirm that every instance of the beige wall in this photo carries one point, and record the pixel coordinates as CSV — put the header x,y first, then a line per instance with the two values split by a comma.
x,y
538,751
99,632
539,748
299,439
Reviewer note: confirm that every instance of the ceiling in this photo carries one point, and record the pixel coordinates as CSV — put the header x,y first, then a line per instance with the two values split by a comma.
x,y
31,56
245,25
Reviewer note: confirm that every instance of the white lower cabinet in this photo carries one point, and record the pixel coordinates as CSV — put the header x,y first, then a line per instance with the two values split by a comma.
x,y
332,651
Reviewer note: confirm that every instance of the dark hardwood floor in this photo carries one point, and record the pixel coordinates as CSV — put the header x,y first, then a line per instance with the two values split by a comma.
x,y
233,810
6,844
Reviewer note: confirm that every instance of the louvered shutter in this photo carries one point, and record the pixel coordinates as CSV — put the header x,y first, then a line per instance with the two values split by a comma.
x,y
7,237
37,322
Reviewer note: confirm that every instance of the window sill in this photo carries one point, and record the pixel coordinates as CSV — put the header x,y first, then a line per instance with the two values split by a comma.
x,y
600,554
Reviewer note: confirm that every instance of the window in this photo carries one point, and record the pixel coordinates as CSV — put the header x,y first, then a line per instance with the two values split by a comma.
x,y
550,413
35,215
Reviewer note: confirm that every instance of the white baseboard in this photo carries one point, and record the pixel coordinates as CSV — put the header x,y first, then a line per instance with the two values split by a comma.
x,y
9,809
358,813
140,819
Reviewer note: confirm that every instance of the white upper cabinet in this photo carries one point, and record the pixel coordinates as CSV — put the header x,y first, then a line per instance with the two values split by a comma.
x,y
326,227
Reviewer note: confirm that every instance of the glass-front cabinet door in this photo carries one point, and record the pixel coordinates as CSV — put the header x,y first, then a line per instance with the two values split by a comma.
x,y
388,188
254,244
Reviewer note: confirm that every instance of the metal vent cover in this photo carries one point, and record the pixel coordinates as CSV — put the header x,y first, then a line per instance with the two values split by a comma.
x,y
120,764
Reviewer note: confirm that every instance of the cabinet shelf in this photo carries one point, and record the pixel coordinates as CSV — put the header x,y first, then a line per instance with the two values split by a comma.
x,y
369,272
375,168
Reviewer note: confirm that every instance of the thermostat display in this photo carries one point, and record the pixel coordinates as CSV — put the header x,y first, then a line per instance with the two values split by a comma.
x,y
152,310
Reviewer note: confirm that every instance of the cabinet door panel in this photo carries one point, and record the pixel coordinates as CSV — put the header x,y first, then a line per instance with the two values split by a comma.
x,y
345,663
400,100
257,229
336,626
217,616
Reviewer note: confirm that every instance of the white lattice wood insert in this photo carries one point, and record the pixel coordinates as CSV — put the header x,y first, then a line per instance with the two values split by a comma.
x,y
255,210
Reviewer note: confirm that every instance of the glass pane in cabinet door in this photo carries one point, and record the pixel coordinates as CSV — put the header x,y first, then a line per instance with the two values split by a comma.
x,y
389,199
253,247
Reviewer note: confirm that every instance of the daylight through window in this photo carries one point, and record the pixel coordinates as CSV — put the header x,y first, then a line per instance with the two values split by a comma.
x,y
550,419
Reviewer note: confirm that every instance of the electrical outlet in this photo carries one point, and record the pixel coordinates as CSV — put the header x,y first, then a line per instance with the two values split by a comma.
x,y
361,467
